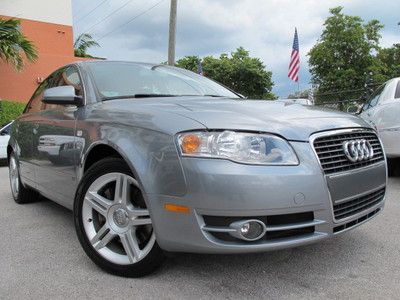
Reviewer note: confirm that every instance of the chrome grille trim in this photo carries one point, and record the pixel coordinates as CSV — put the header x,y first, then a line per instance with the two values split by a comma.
x,y
328,147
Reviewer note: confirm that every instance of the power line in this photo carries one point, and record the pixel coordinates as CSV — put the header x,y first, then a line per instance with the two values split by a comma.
x,y
131,20
109,15
96,7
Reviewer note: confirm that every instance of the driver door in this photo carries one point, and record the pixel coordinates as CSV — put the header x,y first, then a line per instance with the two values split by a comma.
x,y
55,142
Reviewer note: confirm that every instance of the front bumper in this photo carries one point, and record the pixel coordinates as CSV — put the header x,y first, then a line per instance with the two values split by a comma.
x,y
220,191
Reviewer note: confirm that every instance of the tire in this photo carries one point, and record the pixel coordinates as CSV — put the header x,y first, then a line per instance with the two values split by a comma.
x,y
20,193
115,230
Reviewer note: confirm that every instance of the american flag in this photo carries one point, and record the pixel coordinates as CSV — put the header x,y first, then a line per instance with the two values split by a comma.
x,y
294,65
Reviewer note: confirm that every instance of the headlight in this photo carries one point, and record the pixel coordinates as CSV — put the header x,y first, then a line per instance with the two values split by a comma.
x,y
248,148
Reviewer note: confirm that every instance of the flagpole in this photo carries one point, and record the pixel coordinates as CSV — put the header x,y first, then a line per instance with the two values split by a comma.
x,y
298,89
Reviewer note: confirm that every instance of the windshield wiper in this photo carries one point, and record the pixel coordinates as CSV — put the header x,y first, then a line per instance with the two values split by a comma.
x,y
216,96
138,96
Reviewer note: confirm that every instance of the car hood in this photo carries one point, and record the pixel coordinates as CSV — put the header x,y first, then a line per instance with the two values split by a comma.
x,y
292,121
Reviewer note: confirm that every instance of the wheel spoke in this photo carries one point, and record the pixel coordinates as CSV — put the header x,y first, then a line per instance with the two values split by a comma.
x,y
103,230
138,222
98,203
131,245
133,213
105,240
122,189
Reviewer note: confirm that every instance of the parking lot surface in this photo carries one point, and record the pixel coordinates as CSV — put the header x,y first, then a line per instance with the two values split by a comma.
x,y
41,258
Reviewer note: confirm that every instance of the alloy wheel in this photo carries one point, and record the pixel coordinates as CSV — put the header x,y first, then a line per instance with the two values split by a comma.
x,y
14,176
116,220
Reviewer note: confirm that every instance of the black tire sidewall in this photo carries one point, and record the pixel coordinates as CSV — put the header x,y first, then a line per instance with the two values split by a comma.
x,y
145,266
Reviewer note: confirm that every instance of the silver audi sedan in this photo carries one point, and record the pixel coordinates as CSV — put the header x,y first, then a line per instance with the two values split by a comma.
x,y
153,158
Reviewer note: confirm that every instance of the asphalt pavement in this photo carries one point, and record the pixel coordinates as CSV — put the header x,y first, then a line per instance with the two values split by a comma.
x,y
40,258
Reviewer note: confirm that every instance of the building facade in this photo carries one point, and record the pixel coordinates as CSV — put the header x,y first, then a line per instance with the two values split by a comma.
x,y
48,24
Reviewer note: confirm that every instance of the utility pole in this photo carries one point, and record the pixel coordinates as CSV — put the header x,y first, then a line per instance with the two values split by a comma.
x,y
172,33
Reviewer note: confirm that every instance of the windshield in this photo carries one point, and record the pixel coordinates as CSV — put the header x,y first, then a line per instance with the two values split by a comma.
x,y
374,98
118,80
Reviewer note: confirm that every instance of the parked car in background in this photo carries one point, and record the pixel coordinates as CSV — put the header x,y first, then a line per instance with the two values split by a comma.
x,y
296,101
163,159
4,137
382,111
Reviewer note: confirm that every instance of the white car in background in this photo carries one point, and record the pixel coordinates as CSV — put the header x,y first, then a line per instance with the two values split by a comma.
x,y
296,101
4,137
382,111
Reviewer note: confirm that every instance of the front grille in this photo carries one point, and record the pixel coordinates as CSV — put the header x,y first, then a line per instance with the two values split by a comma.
x,y
329,149
352,207
353,223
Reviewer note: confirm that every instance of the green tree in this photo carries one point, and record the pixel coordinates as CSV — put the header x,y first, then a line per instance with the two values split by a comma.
x,y
389,62
14,46
82,43
343,58
238,71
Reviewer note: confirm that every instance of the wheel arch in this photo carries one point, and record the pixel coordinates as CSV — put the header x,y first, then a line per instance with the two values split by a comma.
x,y
151,156
102,149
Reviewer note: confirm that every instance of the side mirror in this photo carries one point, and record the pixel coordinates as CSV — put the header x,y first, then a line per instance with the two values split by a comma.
x,y
352,109
62,95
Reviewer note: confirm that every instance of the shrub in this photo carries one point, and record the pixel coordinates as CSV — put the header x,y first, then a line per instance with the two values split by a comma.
x,y
10,110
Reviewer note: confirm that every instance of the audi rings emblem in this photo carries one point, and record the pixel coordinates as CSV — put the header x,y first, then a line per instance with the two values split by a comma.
x,y
358,150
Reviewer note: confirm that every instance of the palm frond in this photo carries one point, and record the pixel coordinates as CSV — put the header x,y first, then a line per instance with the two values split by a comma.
x,y
82,43
14,45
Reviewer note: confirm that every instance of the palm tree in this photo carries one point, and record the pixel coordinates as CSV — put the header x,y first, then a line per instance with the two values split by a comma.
x,y
13,43
83,42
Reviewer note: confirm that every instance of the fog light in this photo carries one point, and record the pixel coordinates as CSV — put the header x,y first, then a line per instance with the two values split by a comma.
x,y
248,230
245,228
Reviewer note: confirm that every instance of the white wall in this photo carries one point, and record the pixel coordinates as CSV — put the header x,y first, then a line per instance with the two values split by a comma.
x,y
51,11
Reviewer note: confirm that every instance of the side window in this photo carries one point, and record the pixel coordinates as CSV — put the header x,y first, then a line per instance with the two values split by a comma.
x,y
374,99
36,104
69,76
397,93
63,77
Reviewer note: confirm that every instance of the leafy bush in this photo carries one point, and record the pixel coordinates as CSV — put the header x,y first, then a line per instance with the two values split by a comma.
x,y
10,110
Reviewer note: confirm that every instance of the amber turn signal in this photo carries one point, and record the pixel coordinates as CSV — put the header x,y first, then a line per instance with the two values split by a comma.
x,y
176,208
190,143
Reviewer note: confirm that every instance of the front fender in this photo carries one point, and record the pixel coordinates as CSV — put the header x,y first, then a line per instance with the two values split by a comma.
x,y
151,155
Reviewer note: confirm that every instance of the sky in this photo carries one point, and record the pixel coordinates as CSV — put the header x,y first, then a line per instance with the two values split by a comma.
x,y
137,30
